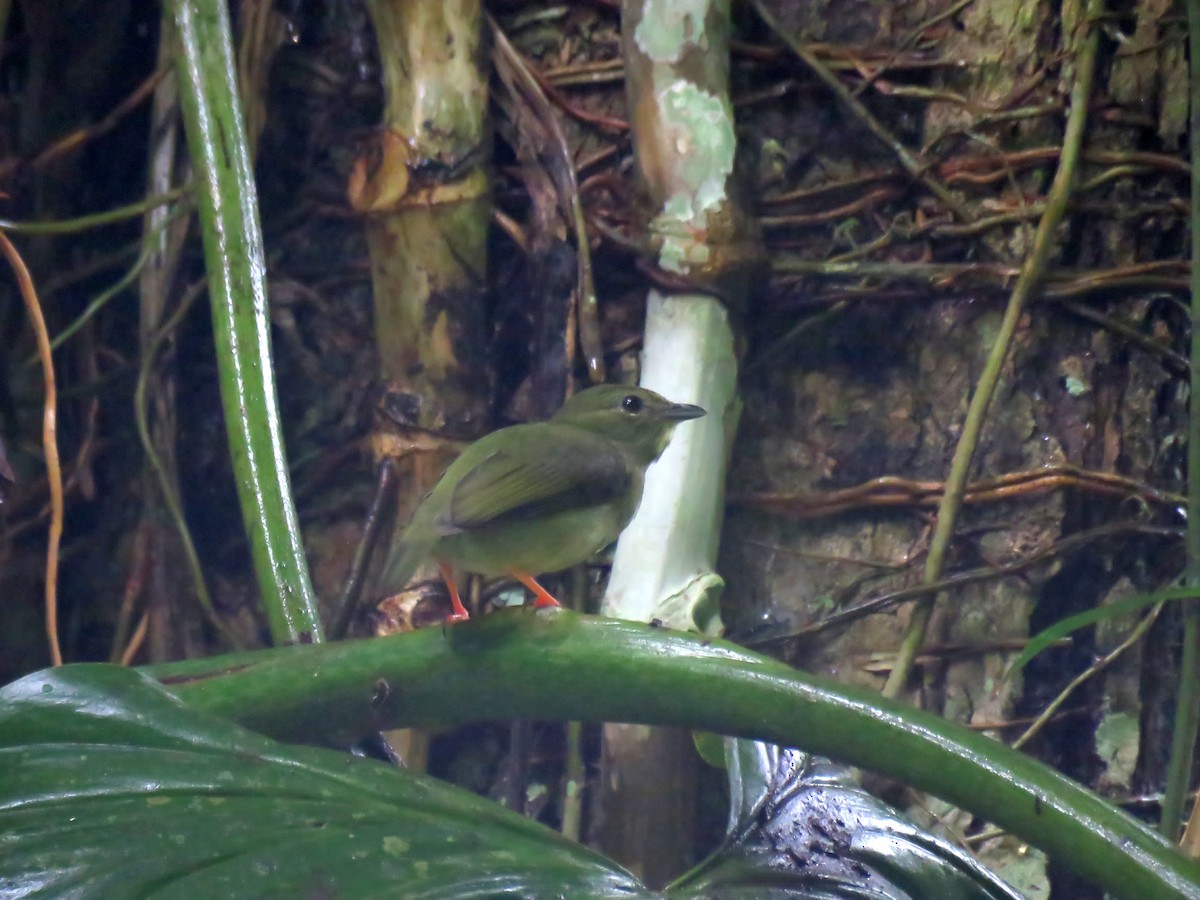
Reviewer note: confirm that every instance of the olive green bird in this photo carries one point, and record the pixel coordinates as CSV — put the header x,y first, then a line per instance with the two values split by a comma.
x,y
540,497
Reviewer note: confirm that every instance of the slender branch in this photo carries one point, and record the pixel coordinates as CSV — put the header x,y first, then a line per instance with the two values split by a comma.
x,y
1031,274
80,136
518,76
139,638
1094,669
165,484
135,583
915,167
1187,704
97,220
347,604
891,490
49,441
880,602
101,299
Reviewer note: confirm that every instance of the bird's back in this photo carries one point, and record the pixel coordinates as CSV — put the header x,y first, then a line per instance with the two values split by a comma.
x,y
533,498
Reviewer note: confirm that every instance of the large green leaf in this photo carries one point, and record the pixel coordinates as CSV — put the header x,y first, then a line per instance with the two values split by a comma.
x,y
803,825
552,663
99,782
111,787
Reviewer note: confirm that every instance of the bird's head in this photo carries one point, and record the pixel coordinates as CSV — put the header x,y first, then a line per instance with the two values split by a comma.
x,y
639,420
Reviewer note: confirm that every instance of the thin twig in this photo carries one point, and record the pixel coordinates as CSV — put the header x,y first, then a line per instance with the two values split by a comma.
x,y
915,167
515,73
170,497
882,602
89,269
49,441
102,299
890,490
1176,362
77,138
1159,274
1094,669
1031,274
908,42
574,783
575,774
135,583
96,220
139,638
347,604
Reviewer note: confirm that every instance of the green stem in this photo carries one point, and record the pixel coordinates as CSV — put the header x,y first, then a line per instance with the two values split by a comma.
x,y
556,664
97,220
101,299
165,484
1187,705
1031,274
236,266
576,782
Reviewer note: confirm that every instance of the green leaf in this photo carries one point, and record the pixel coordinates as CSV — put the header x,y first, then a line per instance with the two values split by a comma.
x,y
111,787
1058,630
804,825
555,664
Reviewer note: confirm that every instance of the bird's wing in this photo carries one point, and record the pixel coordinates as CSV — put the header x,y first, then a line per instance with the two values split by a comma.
x,y
402,562
580,470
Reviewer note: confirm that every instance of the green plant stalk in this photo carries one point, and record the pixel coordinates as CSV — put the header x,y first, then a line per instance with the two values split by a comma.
x,y
1187,704
428,241
236,266
1027,282
576,783
677,70
663,567
556,664
426,215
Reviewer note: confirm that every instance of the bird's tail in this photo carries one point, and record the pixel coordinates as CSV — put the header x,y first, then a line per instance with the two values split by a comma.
x,y
402,561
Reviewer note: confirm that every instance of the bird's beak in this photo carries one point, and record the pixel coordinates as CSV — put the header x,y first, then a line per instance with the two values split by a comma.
x,y
681,412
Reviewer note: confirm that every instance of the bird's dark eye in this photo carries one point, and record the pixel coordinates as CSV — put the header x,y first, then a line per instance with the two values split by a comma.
x,y
632,403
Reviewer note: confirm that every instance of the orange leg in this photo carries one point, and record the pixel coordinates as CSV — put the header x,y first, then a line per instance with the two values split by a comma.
x,y
458,611
543,596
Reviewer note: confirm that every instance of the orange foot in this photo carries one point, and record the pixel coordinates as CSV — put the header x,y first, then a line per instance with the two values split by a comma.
x,y
542,596
458,612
